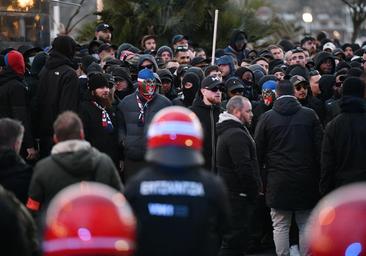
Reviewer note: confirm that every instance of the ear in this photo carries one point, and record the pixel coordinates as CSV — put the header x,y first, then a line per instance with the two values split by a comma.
x,y
55,139
82,134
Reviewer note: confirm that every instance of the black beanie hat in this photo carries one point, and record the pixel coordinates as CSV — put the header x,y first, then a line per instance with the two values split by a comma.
x,y
284,87
64,45
97,80
354,86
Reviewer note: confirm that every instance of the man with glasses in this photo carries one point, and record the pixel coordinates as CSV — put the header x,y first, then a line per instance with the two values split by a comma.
x,y
147,61
301,92
207,108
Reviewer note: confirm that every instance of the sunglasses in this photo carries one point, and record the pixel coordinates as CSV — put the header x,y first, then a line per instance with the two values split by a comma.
x,y
299,86
150,66
215,89
237,91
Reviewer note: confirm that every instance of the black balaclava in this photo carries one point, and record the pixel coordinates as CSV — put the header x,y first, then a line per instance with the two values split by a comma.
x,y
190,94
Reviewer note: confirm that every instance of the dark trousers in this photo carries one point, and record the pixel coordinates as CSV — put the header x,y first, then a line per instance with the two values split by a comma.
x,y
45,146
235,241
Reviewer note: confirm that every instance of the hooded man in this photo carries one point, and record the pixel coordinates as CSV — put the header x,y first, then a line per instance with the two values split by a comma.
x,y
13,100
58,89
325,63
226,66
190,86
291,182
72,160
237,45
343,150
135,113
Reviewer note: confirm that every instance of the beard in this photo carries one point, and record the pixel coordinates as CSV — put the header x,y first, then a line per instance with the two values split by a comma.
x,y
104,102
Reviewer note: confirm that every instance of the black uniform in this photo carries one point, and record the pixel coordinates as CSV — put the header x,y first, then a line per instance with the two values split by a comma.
x,y
179,211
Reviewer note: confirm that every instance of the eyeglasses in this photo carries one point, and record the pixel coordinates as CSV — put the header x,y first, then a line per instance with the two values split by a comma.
x,y
181,48
150,66
299,86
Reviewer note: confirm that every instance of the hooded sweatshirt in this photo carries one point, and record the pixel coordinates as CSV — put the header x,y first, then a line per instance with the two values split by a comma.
x,y
70,162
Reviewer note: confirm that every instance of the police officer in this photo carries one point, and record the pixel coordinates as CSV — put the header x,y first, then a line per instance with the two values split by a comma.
x,y
89,218
180,208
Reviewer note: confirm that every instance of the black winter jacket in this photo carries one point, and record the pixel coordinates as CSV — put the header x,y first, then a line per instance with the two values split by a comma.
x,y
13,103
131,134
236,159
288,141
99,137
70,162
209,116
179,212
58,91
15,174
344,146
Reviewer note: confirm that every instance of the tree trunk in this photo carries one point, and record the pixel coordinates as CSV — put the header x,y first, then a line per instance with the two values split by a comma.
x,y
356,31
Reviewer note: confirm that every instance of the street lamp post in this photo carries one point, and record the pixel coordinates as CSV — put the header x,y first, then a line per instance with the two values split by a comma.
x,y
307,17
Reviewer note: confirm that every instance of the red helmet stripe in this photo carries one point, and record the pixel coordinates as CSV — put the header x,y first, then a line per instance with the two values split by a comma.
x,y
178,140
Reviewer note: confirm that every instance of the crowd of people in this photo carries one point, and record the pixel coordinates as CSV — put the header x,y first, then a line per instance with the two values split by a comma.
x,y
215,157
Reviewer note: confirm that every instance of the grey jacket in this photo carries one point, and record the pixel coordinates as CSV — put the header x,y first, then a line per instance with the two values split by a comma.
x,y
132,135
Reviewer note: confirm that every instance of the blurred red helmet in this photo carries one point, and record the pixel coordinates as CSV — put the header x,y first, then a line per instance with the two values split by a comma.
x,y
175,138
337,225
89,219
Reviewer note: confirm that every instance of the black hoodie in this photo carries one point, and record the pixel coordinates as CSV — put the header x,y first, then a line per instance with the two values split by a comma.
x,y
288,139
58,91
13,102
320,58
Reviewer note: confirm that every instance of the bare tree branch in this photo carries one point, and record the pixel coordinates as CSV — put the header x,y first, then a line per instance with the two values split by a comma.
x,y
79,20
67,28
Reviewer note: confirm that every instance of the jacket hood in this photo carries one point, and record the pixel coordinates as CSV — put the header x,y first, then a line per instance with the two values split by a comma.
x,y
235,36
286,105
77,157
351,104
65,46
57,59
227,121
38,63
8,75
149,58
321,57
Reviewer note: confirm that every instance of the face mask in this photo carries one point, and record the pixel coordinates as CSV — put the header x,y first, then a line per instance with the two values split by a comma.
x,y
268,97
147,88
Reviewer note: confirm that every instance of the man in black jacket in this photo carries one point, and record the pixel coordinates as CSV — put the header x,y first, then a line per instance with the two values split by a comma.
x,y
207,107
15,174
181,209
99,120
13,98
237,165
288,141
58,89
344,145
